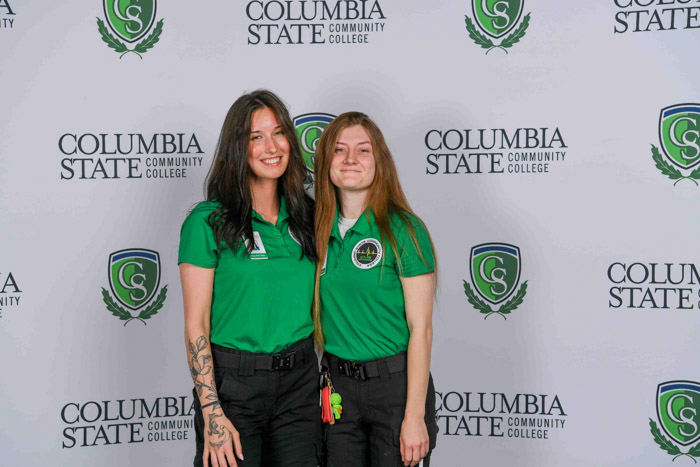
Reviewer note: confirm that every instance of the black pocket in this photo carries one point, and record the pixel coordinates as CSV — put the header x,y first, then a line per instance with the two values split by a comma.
x,y
219,375
227,386
432,433
430,415
430,401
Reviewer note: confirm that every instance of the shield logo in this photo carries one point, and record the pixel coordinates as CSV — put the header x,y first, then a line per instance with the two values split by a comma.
x,y
495,270
679,134
134,276
130,19
497,17
309,128
678,410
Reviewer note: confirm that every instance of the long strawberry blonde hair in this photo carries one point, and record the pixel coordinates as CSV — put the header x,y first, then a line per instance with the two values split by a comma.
x,y
384,198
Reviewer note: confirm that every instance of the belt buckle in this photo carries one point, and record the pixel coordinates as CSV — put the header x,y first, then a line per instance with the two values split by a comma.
x,y
282,361
355,370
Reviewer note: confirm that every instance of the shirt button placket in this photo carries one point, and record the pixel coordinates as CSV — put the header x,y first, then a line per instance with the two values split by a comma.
x,y
340,252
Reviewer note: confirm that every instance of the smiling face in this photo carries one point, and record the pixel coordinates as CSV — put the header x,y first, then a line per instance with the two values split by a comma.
x,y
268,148
353,163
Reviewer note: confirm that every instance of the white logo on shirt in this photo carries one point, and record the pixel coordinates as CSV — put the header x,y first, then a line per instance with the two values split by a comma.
x,y
367,253
259,248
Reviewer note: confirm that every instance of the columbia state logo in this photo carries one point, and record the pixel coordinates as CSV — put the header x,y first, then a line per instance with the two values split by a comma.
x,y
678,413
495,274
309,128
134,278
679,138
131,21
367,253
496,19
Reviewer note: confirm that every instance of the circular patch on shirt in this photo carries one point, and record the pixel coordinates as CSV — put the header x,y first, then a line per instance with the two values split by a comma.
x,y
294,237
367,253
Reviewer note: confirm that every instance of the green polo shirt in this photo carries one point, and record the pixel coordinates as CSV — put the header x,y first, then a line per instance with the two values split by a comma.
x,y
363,313
261,302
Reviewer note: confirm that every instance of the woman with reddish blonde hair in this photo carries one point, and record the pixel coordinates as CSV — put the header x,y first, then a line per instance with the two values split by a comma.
x,y
375,282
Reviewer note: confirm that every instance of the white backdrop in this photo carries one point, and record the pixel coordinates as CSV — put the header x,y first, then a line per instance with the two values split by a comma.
x,y
67,361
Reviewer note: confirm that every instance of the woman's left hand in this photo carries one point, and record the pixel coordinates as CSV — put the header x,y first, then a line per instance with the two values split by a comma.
x,y
414,440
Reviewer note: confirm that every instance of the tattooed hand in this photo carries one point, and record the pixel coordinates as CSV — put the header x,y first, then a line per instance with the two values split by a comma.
x,y
220,440
218,432
220,437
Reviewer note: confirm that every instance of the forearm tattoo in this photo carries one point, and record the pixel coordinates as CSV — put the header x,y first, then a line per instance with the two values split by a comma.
x,y
200,367
218,434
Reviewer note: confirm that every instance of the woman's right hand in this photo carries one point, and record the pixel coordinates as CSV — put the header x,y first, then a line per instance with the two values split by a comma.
x,y
221,439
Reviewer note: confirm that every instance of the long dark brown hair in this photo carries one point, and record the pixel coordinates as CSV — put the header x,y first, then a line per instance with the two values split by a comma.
x,y
230,175
385,197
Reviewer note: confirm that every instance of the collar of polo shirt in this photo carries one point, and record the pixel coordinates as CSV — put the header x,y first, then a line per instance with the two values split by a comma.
x,y
362,226
283,214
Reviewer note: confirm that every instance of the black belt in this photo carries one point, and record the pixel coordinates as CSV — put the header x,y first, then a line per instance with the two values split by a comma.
x,y
370,369
294,355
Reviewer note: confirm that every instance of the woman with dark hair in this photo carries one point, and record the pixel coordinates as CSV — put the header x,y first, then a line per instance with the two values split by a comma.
x,y
375,283
247,270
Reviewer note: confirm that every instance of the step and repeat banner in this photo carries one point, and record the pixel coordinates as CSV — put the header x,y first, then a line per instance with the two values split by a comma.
x,y
552,148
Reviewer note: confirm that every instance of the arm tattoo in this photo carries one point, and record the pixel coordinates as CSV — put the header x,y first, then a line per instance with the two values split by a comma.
x,y
218,435
200,366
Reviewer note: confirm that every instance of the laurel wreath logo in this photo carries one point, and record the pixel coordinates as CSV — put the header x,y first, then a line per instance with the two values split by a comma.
x,y
487,43
485,308
145,314
670,171
665,444
121,48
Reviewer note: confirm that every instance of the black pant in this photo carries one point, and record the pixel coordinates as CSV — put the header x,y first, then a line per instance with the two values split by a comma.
x,y
276,412
367,433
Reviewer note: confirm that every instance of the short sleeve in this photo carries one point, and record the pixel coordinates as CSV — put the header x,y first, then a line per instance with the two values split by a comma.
x,y
197,241
412,264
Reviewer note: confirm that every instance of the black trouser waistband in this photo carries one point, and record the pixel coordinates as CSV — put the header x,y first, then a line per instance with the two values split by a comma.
x,y
295,355
368,369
